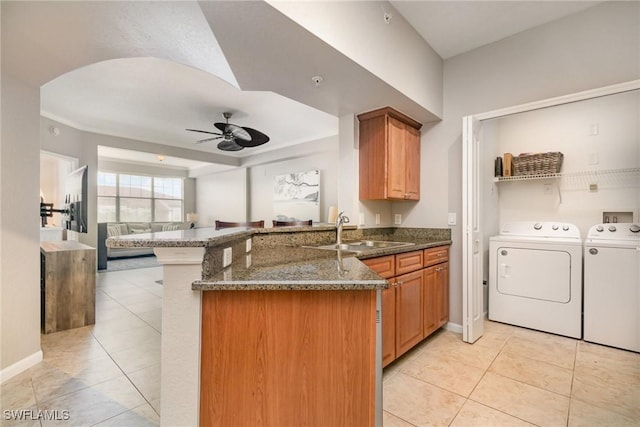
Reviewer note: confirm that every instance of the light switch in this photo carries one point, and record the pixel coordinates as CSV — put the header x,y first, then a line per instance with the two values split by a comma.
x,y
451,220
398,219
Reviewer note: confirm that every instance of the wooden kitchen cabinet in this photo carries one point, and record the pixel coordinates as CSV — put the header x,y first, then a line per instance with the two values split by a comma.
x,y
430,305
416,304
442,292
408,315
388,325
389,156
386,268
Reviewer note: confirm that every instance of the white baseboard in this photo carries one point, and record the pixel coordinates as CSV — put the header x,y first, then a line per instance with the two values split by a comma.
x,y
20,366
453,327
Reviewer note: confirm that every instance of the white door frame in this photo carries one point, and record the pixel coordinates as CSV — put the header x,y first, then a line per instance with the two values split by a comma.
x,y
472,222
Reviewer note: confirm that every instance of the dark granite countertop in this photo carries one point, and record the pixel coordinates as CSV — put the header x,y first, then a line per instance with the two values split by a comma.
x,y
294,268
284,258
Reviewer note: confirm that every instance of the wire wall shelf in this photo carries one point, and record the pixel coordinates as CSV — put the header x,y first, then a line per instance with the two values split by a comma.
x,y
585,180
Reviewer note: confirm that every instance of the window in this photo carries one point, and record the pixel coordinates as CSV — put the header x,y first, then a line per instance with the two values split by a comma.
x,y
137,198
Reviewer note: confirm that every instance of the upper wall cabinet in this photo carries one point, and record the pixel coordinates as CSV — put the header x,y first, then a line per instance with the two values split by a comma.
x,y
389,156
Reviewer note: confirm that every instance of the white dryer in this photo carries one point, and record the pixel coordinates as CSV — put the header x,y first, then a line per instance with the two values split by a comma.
x,y
612,285
535,277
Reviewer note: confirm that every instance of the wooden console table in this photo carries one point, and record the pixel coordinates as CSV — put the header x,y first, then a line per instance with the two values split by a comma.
x,y
67,285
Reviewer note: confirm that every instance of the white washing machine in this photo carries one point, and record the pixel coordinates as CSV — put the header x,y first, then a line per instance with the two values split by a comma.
x,y
612,285
535,277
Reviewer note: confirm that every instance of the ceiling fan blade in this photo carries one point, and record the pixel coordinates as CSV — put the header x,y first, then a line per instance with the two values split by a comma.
x,y
257,138
235,130
229,145
207,140
238,132
221,126
204,131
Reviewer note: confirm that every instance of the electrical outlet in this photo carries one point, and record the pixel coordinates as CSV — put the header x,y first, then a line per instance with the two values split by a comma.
x,y
247,261
398,219
377,219
451,219
594,159
248,245
226,257
594,129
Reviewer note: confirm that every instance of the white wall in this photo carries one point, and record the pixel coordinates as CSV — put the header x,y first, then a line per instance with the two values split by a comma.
x,y
595,48
19,227
568,129
222,196
261,178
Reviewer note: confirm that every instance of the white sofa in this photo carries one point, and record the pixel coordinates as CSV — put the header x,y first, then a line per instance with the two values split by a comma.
x,y
124,228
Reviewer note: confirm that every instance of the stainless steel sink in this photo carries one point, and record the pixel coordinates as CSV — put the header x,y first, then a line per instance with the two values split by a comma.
x,y
363,245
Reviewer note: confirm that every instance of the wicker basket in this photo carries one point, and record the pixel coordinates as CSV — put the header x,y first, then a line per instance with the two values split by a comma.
x,y
537,164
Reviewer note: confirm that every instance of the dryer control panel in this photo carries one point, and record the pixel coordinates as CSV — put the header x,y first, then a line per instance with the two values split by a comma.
x,y
549,229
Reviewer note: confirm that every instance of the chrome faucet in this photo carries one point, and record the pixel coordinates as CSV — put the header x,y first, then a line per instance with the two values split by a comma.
x,y
340,220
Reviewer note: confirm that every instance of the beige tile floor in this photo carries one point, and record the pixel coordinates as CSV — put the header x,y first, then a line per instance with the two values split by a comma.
x,y
108,374
512,377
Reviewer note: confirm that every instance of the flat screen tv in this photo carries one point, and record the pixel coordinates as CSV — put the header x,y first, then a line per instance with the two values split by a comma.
x,y
76,200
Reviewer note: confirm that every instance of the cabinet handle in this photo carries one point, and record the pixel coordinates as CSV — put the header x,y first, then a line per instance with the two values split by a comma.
x,y
399,284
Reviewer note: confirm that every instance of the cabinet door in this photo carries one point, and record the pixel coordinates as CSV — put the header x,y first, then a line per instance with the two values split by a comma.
x,y
396,158
430,303
408,311
388,325
412,163
442,287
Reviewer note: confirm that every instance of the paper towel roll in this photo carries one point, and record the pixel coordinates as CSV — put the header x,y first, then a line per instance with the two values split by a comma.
x,y
333,214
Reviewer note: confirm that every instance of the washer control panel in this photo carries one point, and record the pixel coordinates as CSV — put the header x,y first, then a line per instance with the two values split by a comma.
x,y
617,231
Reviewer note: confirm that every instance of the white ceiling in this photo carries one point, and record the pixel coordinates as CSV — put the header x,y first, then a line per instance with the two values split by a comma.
x,y
154,100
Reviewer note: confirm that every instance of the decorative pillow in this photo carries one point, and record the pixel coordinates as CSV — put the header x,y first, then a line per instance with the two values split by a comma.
x,y
139,230
171,227
113,230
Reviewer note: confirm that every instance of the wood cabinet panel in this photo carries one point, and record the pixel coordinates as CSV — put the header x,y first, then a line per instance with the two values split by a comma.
x,y
409,261
388,325
435,255
430,304
287,358
442,296
385,265
412,170
397,155
408,311
389,151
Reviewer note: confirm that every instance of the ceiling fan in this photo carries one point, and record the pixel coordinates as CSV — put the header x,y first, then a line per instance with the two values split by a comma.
x,y
234,137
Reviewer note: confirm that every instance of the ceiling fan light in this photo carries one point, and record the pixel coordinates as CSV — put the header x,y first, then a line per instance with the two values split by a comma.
x,y
229,145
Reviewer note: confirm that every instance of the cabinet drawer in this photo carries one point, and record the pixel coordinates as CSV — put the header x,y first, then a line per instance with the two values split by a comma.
x,y
408,262
384,265
436,255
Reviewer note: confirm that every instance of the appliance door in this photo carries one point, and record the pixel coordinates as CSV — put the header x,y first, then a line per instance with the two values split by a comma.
x,y
612,296
542,274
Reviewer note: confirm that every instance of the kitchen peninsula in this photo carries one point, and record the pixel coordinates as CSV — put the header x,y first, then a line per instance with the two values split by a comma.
x,y
286,334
